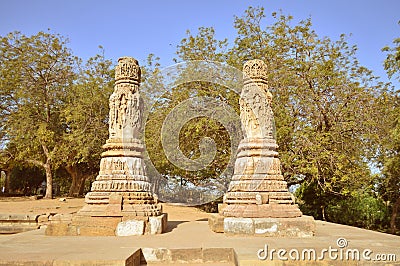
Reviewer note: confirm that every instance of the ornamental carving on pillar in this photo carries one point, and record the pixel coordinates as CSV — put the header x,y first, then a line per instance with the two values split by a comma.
x,y
257,188
255,102
127,70
122,168
126,108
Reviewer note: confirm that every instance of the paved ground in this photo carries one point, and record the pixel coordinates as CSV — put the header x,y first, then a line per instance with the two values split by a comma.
x,y
188,229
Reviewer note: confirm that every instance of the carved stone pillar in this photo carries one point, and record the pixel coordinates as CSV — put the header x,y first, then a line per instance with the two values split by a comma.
x,y
257,192
120,201
122,169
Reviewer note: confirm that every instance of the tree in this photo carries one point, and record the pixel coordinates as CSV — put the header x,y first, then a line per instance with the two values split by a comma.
x,y
187,103
389,159
85,114
36,73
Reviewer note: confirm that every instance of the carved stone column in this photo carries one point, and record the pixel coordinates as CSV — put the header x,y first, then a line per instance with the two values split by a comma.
x,y
122,169
120,201
257,192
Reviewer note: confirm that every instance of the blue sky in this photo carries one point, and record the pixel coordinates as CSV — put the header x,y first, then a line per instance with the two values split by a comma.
x,y
137,28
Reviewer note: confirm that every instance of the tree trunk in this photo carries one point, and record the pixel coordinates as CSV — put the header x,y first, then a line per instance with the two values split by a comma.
x,y
47,168
82,185
7,181
73,172
78,181
395,211
49,180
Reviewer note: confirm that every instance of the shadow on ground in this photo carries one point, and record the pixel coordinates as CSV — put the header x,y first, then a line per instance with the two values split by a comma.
x,y
173,225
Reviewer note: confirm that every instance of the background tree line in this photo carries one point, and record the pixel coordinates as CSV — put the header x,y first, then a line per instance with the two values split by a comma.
x,y
337,124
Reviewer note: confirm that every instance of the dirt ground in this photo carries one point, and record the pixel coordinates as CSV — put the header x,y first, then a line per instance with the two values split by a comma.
x,y
26,205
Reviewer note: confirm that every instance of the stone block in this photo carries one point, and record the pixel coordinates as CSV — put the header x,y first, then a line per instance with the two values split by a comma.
x,y
87,230
303,226
221,206
65,218
113,210
159,255
61,229
16,228
134,259
190,255
43,219
130,228
216,223
165,222
114,206
83,220
222,255
239,226
156,224
266,226
21,218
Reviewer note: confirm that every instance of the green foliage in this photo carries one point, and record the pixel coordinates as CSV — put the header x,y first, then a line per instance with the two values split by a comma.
x,y
361,210
26,180
331,113
192,133
54,109
325,102
389,150
392,61
35,75
85,115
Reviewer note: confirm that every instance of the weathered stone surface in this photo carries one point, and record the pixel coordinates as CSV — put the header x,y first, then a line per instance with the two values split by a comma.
x,y
189,256
43,219
221,207
216,223
262,210
158,255
156,224
266,226
17,223
257,188
87,230
130,228
60,217
61,229
222,255
273,227
240,226
81,220
7,217
192,255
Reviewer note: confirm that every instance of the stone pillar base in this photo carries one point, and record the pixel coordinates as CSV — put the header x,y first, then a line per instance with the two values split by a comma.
x,y
83,225
303,226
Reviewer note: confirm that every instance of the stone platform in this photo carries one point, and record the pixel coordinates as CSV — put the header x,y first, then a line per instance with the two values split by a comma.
x,y
303,226
81,225
188,241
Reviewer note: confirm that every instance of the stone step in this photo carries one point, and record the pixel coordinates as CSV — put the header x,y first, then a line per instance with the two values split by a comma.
x,y
17,223
17,228
189,256
10,218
